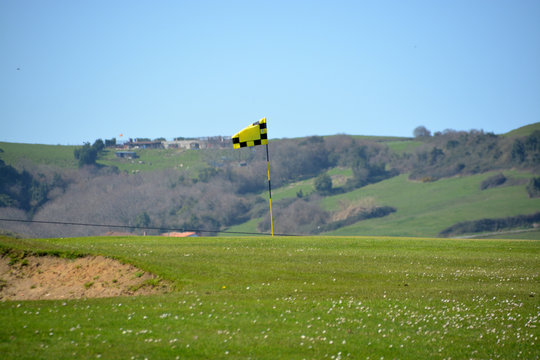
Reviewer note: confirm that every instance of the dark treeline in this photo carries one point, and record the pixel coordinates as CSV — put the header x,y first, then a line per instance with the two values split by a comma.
x,y
451,153
300,159
26,191
492,225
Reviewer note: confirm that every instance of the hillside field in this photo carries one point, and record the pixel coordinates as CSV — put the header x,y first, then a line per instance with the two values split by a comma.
x,y
423,209
148,160
380,186
292,297
56,155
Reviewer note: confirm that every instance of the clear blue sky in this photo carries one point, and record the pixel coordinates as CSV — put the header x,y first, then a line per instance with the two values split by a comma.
x,y
74,71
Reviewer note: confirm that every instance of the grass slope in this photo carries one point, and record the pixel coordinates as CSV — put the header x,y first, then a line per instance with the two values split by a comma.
x,y
404,146
57,155
157,159
294,298
524,130
148,160
339,177
424,209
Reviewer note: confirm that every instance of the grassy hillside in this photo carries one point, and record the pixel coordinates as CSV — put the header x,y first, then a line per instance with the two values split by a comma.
x,y
157,159
403,146
294,298
217,190
424,209
148,159
339,177
57,155
524,130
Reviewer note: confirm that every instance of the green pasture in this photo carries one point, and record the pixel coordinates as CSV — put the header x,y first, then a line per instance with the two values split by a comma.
x,y
524,130
295,298
403,146
523,234
339,177
291,190
148,159
382,139
56,155
156,159
249,227
424,209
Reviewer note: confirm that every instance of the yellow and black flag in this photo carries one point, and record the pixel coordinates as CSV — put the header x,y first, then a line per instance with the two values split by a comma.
x,y
254,134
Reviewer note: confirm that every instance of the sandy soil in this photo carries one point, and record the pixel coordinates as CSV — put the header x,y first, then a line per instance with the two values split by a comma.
x,y
49,277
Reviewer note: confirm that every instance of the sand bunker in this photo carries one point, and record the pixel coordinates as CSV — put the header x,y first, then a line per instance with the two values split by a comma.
x,y
50,277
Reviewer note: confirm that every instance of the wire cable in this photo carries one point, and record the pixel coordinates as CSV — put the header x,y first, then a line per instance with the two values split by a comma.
x,y
140,227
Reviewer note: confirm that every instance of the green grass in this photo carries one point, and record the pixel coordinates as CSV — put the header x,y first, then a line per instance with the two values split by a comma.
x,y
158,159
380,138
290,190
341,171
403,146
57,155
524,130
524,234
339,177
294,298
148,160
247,227
424,209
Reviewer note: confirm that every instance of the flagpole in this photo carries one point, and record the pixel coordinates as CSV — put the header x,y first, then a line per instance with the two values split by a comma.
x,y
269,191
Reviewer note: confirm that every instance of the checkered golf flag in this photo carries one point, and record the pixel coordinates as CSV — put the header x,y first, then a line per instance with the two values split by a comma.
x,y
254,134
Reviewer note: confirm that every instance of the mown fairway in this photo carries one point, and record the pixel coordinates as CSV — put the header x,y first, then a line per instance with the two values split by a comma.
x,y
294,298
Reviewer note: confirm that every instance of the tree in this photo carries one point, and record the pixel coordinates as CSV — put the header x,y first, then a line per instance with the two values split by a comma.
x,y
142,220
207,173
323,183
110,143
86,155
99,145
435,155
533,187
518,151
421,131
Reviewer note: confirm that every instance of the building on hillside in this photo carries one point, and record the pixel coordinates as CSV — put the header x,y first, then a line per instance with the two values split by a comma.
x,y
217,142
143,144
185,144
126,154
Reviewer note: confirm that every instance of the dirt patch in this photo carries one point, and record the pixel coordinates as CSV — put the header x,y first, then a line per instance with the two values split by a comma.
x,y
50,277
349,209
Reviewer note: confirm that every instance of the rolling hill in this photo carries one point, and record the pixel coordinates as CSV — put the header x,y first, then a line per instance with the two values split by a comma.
x,y
428,184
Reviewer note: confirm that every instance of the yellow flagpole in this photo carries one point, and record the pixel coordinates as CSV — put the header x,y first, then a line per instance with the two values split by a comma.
x,y
269,191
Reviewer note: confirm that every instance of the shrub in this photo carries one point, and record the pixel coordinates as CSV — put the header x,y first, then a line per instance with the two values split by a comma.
x,y
421,132
533,188
296,216
483,225
354,218
86,155
323,183
493,181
